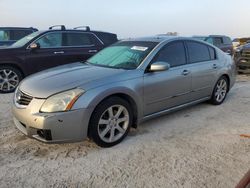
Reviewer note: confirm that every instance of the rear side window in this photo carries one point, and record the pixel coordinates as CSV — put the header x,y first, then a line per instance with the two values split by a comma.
x,y
173,53
198,52
18,34
107,38
227,40
218,41
79,39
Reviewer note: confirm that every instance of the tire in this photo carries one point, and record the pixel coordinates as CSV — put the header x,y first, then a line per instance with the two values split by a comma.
x,y
220,91
108,127
10,78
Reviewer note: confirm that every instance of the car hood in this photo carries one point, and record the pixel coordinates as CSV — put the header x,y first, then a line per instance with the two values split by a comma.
x,y
58,79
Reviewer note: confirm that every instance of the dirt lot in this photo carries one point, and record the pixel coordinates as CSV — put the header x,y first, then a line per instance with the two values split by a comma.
x,y
195,147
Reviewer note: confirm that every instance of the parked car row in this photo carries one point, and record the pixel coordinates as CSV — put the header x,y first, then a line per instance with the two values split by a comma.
x,y
220,41
45,49
101,95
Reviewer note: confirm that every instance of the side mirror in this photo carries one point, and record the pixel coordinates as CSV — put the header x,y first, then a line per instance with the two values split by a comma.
x,y
159,66
34,46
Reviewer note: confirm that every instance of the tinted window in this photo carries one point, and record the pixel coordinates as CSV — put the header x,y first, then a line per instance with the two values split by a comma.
x,y
227,40
218,41
212,53
107,38
18,34
173,53
209,40
79,39
198,52
50,40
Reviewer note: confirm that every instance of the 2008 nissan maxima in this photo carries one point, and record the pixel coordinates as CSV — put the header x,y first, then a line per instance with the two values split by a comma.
x,y
118,88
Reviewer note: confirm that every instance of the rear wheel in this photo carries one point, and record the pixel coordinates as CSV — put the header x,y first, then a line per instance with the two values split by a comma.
x,y
10,77
110,122
220,91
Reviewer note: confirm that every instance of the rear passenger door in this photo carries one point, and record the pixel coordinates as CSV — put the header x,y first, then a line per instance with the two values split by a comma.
x,y
80,46
203,65
167,89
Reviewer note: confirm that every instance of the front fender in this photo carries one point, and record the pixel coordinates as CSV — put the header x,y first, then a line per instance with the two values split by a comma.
x,y
93,97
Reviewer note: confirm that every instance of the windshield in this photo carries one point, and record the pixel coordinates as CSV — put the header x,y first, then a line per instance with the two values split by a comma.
x,y
26,39
124,55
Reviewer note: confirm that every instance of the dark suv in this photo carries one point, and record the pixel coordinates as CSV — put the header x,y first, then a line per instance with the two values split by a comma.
x,y
45,49
9,35
220,41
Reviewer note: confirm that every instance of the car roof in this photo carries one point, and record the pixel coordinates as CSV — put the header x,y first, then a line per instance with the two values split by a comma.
x,y
210,36
76,30
18,28
157,38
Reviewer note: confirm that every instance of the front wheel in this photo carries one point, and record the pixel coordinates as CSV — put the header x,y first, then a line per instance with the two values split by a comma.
x,y
110,122
220,91
10,77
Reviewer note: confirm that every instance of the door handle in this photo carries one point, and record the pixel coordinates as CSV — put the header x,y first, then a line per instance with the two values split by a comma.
x,y
215,66
60,52
92,51
185,72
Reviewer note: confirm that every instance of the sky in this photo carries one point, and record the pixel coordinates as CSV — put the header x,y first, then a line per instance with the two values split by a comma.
x,y
133,18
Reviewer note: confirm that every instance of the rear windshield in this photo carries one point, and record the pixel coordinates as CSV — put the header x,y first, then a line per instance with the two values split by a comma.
x,y
124,55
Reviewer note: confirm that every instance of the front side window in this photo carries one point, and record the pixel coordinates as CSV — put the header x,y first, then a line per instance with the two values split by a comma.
x,y
124,55
4,35
173,53
50,40
79,39
197,52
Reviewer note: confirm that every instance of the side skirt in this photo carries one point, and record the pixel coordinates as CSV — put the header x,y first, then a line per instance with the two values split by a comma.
x,y
176,108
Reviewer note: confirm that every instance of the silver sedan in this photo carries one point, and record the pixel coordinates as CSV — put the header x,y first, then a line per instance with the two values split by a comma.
x,y
120,87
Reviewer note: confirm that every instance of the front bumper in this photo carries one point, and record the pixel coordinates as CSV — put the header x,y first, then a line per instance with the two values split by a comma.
x,y
71,126
243,64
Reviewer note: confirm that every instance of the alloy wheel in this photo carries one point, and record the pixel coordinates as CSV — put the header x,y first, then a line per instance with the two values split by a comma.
x,y
221,90
113,123
9,80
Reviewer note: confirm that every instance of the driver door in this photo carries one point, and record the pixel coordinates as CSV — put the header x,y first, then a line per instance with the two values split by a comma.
x,y
167,89
51,52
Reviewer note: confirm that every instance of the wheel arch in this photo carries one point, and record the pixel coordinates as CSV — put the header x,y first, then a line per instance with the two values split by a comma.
x,y
91,101
14,65
228,79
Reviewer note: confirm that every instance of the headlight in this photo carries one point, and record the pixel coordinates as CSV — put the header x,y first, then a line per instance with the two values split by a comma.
x,y
62,101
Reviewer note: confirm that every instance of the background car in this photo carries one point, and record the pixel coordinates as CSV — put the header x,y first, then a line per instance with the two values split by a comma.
x,y
9,35
118,88
242,58
45,49
220,41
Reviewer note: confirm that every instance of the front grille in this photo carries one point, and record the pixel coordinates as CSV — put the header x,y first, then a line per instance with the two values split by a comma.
x,y
246,54
22,98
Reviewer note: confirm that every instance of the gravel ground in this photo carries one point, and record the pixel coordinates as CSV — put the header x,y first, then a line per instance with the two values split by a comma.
x,y
195,147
